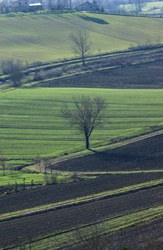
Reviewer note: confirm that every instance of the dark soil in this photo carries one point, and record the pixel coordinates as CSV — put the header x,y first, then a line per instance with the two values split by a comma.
x,y
142,155
146,75
146,236
13,232
145,154
53,193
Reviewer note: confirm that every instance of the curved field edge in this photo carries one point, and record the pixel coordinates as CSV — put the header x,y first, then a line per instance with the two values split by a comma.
x,y
80,201
63,239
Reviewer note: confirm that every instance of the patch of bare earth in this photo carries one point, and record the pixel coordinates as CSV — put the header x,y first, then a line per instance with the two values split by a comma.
x,y
141,155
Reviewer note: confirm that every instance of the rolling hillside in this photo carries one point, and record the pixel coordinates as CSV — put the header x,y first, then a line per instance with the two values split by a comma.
x,y
46,37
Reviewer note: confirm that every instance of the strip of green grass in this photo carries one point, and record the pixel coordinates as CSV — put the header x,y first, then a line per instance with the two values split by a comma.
x,y
20,178
78,201
31,125
104,227
119,172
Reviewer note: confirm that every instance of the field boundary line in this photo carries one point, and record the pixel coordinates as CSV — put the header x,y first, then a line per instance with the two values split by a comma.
x,y
80,201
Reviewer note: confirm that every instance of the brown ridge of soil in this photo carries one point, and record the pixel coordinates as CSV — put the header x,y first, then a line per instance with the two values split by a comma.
x,y
15,231
145,75
141,155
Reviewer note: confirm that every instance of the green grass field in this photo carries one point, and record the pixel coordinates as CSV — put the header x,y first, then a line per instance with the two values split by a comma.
x,y
21,177
148,8
46,37
31,122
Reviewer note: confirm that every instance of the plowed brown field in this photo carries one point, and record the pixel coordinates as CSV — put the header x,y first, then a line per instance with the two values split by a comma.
x,y
145,154
142,155
146,75
16,230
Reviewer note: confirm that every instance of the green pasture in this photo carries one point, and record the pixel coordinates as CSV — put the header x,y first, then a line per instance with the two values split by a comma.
x,y
31,124
20,178
45,37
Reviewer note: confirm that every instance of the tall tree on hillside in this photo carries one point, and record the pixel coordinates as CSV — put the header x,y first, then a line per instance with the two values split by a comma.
x,y
86,115
81,44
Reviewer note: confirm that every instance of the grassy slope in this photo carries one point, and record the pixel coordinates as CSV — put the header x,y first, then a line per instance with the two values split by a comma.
x,y
45,37
148,8
30,122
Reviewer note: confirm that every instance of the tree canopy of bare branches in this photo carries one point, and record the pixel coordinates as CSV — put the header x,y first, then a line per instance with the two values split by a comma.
x,y
86,115
14,68
81,44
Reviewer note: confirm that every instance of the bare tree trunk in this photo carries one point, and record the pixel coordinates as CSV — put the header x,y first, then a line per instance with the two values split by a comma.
x,y
87,142
83,60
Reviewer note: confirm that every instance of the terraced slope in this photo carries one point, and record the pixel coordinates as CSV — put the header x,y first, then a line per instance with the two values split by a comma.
x,y
135,198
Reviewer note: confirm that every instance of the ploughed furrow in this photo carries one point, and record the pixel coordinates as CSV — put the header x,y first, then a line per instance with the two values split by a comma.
x,y
143,236
141,155
57,193
39,225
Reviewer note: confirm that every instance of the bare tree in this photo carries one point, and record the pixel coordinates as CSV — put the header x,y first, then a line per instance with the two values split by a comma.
x,y
81,44
86,115
14,69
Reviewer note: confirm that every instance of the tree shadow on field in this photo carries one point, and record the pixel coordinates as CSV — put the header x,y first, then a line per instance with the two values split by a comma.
x,y
116,157
94,19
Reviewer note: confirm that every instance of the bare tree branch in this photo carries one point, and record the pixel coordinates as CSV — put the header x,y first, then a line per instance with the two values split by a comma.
x,y
81,44
85,115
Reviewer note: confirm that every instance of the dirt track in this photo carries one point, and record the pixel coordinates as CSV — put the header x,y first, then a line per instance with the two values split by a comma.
x,y
141,155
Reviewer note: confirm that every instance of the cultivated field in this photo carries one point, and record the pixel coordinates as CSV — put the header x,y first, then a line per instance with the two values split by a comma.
x,y
31,122
116,187
38,37
29,213
141,76
141,155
